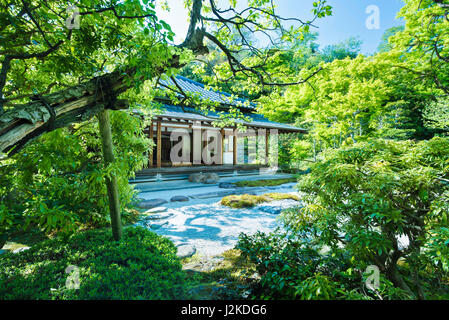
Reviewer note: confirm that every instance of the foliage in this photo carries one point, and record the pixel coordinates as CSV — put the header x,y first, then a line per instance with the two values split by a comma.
x,y
142,265
351,99
425,40
436,114
385,45
58,180
367,196
349,48
292,269
41,54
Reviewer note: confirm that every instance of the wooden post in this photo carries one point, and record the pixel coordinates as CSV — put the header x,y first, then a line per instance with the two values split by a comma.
x,y
111,183
159,145
197,142
221,144
234,147
150,156
267,139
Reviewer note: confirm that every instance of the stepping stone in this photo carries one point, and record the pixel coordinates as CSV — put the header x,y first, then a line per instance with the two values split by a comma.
x,y
196,177
152,203
211,178
156,226
159,216
156,210
185,251
226,185
213,194
179,199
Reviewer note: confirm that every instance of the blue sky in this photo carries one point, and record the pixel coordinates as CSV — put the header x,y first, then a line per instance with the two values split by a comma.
x,y
348,19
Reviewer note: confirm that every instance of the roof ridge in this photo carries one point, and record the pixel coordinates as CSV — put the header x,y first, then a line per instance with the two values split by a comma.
x,y
202,85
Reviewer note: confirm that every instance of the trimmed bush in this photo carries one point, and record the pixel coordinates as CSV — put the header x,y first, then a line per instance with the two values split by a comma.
x,y
143,265
248,200
243,201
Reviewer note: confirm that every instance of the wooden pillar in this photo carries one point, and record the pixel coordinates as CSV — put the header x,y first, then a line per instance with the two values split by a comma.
x,y
111,182
159,145
197,143
234,147
221,144
150,156
267,139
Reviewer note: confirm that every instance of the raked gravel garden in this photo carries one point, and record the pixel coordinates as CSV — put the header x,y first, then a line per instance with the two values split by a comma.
x,y
199,224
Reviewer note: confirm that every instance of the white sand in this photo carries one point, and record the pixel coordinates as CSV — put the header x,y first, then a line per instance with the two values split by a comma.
x,y
211,227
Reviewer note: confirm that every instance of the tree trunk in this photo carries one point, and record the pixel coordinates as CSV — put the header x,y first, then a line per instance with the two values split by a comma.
x,y
75,104
111,182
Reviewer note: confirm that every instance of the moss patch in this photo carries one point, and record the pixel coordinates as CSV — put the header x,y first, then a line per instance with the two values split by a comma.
x,y
228,279
264,183
248,201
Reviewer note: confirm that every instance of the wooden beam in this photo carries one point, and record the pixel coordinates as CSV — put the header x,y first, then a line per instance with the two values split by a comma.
x,y
267,139
159,145
221,144
197,142
150,156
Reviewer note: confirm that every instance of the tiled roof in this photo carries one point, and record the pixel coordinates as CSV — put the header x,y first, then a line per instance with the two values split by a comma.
x,y
194,87
223,98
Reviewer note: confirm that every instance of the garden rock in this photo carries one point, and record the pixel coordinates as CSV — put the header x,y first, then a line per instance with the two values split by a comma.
x,y
196,177
156,226
179,199
185,251
211,178
226,185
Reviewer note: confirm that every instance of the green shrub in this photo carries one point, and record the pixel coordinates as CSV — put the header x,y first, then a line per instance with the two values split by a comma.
x,y
264,182
290,268
142,265
366,197
57,182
